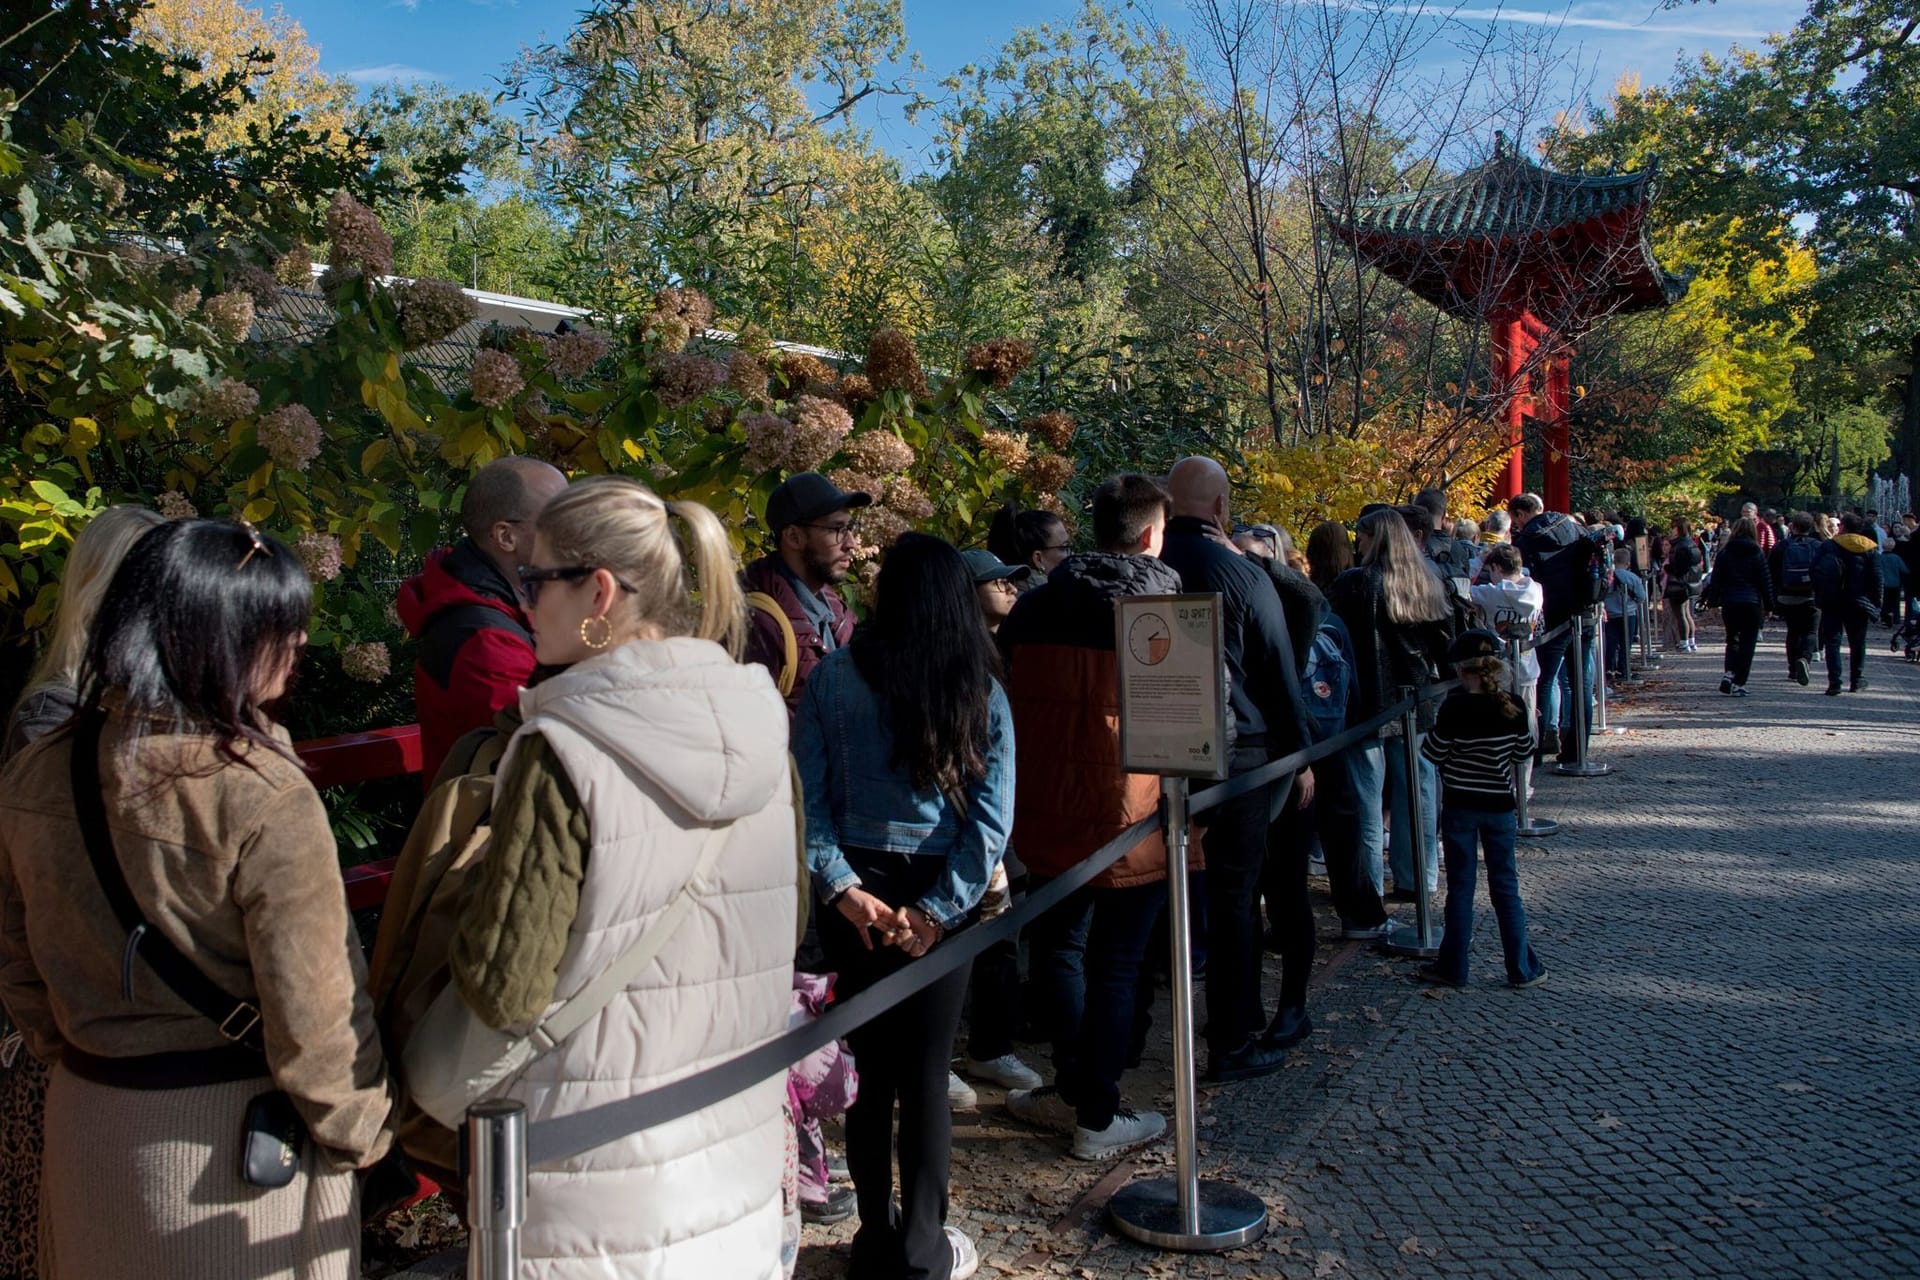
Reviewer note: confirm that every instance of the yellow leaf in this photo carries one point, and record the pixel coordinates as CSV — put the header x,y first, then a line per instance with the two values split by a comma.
x,y
258,480
82,435
633,450
369,393
374,454
393,368
257,510
9,585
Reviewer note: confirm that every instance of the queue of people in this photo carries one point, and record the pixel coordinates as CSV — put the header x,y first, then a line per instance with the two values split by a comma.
x,y
713,797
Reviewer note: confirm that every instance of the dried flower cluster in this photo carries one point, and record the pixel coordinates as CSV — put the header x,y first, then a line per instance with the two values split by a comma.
x,y
747,375
1000,360
801,443
357,240
1049,472
905,499
260,286
767,437
879,453
368,662
495,378
857,390
291,437
226,400
802,372
430,310
573,355
531,415
1051,502
1007,448
679,379
882,526
320,553
295,267
1055,427
677,316
850,481
112,188
175,505
184,301
893,363
230,314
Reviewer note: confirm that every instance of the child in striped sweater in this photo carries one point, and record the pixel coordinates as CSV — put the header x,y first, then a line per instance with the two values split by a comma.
x,y
1481,735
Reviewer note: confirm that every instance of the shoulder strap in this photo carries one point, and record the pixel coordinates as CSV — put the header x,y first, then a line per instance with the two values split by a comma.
x,y
238,1020
790,644
632,962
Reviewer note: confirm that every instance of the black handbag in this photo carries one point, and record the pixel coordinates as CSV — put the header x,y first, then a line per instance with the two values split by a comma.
x,y
272,1133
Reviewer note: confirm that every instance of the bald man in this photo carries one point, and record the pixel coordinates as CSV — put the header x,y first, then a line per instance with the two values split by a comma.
x,y
1270,721
464,607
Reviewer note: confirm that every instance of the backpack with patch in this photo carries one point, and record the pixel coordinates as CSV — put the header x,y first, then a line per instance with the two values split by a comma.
x,y
1797,559
1327,681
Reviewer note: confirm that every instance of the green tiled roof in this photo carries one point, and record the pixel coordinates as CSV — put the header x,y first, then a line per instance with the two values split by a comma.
x,y
1506,196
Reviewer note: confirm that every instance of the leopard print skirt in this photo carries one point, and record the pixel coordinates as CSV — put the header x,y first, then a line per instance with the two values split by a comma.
x,y
23,1092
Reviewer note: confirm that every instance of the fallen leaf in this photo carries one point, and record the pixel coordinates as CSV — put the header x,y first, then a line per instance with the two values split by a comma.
x,y
1326,1264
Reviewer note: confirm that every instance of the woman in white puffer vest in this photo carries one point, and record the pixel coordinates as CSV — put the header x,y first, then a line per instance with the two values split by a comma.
x,y
650,739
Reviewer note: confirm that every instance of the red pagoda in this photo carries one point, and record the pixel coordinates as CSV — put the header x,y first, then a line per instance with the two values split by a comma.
x,y
1538,256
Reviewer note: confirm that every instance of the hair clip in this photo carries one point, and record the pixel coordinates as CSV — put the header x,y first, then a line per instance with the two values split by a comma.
x,y
259,544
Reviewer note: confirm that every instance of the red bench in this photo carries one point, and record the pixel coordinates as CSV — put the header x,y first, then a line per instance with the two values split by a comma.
x,y
364,757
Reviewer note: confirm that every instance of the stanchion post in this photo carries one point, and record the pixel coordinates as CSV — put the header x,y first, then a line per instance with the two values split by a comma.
x,y
1648,658
1579,766
1182,1212
496,1187
1599,696
1524,822
1425,937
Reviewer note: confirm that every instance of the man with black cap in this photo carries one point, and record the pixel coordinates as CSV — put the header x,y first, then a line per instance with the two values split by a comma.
x,y
797,618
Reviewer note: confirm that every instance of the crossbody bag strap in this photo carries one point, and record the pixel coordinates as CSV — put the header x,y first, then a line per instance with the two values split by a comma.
x,y
632,962
238,1020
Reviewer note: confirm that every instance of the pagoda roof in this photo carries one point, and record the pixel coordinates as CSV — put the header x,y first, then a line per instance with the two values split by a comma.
x,y
1510,234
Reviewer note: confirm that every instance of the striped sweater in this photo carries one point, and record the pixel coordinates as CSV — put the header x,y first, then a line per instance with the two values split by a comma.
x,y
1475,745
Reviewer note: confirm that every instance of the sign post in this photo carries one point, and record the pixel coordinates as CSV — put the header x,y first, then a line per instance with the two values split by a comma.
x,y
1173,722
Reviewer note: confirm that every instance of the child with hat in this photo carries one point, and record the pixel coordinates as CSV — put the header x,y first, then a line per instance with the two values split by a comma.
x,y
1482,733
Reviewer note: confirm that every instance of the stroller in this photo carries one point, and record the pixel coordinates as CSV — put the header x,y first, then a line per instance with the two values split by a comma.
x,y
1907,637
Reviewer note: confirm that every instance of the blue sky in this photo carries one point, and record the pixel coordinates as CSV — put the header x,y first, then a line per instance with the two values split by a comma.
x,y
465,43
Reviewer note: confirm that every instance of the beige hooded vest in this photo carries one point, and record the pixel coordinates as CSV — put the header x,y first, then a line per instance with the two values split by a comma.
x,y
660,740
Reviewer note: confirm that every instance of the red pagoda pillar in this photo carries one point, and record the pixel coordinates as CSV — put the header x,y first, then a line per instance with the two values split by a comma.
x,y
1510,347
1556,440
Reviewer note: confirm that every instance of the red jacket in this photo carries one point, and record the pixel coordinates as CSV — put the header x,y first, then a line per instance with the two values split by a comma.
x,y
766,643
476,647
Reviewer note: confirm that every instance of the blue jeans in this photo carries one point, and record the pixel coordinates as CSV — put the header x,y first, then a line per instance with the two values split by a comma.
x,y
1466,833
1400,847
1369,765
1553,661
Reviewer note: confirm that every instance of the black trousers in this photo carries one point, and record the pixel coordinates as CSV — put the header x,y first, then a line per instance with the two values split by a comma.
x,y
994,1005
1743,635
1284,885
902,1056
1853,620
1236,846
1803,628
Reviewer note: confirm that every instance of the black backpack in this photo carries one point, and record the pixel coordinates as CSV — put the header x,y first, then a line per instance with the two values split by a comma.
x,y
1797,558
1570,566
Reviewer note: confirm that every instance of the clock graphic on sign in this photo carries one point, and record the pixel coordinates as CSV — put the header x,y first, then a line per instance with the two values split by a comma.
x,y
1149,639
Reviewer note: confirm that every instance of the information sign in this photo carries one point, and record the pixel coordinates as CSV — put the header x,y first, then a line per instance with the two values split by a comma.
x,y
1173,686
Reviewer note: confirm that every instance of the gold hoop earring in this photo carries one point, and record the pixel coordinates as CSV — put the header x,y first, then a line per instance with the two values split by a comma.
x,y
606,637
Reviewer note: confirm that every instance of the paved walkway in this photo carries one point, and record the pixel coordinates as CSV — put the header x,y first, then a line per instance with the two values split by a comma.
x,y
1718,1080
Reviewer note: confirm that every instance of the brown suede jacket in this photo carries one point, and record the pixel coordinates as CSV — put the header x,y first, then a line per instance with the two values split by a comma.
x,y
235,865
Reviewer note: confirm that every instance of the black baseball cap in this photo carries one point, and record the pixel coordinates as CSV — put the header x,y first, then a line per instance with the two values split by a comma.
x,y
988,567
1478,643
808,496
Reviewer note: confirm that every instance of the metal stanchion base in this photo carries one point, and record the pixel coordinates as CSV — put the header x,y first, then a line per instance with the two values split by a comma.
x,y
1571,769
1537,828
1404,940
1149,1211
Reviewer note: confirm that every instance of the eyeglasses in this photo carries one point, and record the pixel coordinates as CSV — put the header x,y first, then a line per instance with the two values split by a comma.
x,y
531,578
259,546
1002,584
1065,546
840,532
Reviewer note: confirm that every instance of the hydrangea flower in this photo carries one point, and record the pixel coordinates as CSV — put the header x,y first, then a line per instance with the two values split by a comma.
x,y
430,310
1055,427
1007,448
230,314
879,453
358,241
893,362
369,662
999,360
291,436
227,400
320,553
905,498
1049,472
175,505
573,355
494,378
680,379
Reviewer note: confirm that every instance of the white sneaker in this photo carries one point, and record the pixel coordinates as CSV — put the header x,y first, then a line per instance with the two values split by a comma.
x,y
1128,1130
960,1094
966,1258
1044,1108
1007,1071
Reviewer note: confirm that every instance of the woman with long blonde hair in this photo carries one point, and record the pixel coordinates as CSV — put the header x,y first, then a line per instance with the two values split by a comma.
x,y
652,765
1400,623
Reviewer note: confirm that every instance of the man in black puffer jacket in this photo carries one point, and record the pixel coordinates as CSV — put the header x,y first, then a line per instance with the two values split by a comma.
x,y
1742,589
1270,720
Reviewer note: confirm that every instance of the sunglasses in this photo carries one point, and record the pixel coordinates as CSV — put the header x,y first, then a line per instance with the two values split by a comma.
x,y
532,577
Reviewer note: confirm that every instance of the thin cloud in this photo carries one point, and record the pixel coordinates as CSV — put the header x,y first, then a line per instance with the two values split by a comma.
x,y
387,71
1551,18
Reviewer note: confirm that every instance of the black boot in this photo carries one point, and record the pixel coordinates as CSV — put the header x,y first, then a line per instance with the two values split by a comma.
x,y
1289,1027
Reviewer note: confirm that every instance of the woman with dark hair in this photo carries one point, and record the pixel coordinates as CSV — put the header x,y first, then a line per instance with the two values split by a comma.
x,y
175,780
1742,589
1329,553
1037,539
1681,573
905,746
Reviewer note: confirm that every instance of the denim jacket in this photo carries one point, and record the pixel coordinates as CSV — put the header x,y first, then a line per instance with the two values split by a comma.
x,y
856,799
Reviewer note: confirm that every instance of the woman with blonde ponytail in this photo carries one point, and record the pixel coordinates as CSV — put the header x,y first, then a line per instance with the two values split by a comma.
x,y
651,766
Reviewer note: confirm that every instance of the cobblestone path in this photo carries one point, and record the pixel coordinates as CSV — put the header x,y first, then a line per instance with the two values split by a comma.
x,y
1719,1079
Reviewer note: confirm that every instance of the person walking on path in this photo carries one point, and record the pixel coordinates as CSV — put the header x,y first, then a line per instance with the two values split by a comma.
x,y
1089,955
650,765
906,749
1846,584
1742,589
475,652
1791,567
173,796
1478,743
1680,575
